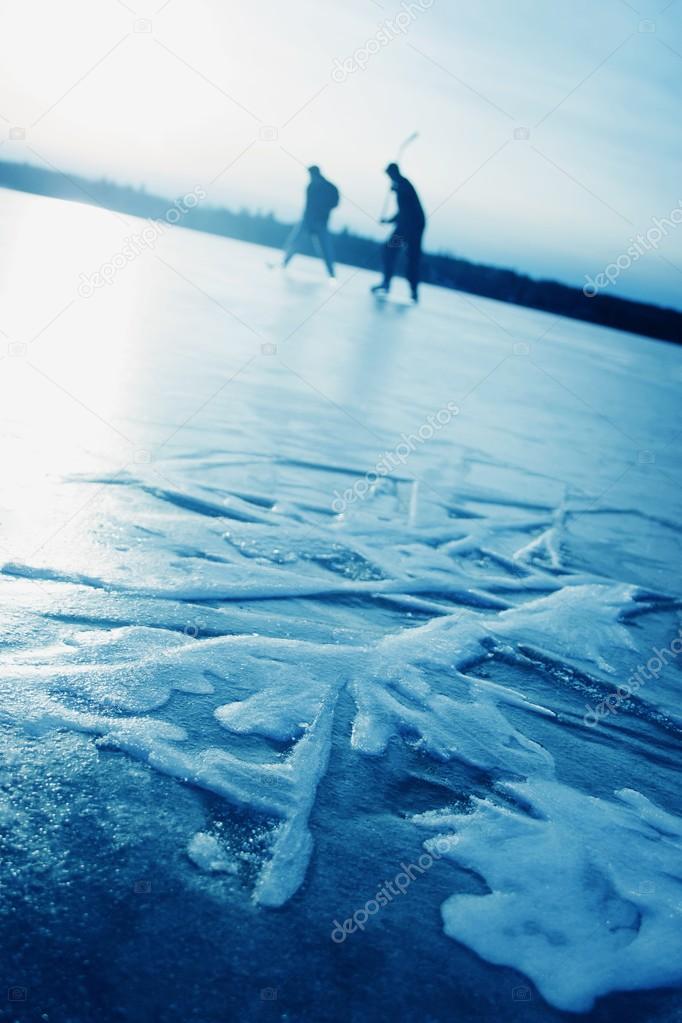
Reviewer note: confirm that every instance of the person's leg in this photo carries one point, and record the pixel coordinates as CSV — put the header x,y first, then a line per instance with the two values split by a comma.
x,y
390,255
414,255
292,243
323,242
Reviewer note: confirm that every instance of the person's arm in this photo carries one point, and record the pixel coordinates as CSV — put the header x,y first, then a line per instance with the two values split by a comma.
x,y
393,219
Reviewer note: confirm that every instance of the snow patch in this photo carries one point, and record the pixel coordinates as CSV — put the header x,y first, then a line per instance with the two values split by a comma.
x,y
206,852
585,894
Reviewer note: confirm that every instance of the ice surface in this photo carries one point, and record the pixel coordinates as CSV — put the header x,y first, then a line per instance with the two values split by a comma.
x,y
199,576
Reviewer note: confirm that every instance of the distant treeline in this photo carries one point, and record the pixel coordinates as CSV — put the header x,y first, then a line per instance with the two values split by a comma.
x,y
441,269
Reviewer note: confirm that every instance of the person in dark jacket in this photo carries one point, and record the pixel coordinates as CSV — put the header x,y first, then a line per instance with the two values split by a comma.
x,y
409,228
321,198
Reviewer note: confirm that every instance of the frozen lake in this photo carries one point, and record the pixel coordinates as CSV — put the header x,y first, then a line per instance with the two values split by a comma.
x,y
340,665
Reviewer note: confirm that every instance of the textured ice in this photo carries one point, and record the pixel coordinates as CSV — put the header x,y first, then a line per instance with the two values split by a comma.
x,y
418,685
409,685
178,585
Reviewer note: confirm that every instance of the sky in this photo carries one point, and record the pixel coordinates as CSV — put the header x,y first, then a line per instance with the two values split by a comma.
x,y
549,132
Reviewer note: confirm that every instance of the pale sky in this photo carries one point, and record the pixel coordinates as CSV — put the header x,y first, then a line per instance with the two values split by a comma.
x,y
187,93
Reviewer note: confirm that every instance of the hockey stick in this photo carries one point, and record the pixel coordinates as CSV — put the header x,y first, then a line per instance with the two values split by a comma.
x,y
403,146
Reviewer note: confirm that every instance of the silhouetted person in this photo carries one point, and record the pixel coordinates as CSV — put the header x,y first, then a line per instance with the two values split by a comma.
x,y
409,227
321,198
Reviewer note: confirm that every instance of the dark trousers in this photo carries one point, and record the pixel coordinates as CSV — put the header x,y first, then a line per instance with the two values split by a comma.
x,y
321,240
411,241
